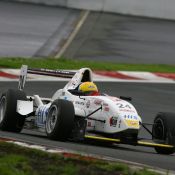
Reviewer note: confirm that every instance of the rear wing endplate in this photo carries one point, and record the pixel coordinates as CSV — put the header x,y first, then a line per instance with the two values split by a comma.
x,y
48,72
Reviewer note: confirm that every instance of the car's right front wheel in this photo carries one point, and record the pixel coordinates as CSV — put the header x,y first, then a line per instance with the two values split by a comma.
x,y
164,132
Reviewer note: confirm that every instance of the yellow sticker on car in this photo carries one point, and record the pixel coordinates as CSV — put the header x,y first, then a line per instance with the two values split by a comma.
x,y
132,123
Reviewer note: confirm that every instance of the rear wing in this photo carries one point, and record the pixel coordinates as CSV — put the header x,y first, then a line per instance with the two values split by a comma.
x,y
48,72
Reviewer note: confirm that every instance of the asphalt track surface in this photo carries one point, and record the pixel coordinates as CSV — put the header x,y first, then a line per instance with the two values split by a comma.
x,y
148,100
30,30
33,30
124,39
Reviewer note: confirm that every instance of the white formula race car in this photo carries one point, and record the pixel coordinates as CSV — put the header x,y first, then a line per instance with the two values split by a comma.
x,y
73,115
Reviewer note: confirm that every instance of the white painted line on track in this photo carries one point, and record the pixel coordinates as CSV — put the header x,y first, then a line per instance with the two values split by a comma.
x,y
84,16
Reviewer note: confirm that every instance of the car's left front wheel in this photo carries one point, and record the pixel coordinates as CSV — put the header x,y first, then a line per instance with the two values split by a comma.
x,y
60,120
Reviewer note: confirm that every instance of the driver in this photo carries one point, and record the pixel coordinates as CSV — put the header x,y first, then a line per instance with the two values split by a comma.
x,y
89,88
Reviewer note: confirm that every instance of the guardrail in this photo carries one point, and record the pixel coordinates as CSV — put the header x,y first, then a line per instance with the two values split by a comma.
x,y
164,9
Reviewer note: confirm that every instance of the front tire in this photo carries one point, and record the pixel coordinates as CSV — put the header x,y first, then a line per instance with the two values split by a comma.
x,y
60,120
164,132
10,120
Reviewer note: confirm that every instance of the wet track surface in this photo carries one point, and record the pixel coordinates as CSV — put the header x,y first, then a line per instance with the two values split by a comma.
x,y
148,100
124,39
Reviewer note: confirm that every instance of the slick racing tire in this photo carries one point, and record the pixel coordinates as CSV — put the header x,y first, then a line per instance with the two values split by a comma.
x,y
164,132
10,120
60,120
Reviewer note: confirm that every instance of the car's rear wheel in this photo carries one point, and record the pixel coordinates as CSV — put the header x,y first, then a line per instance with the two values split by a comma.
x,y
10,120
164,132
60,120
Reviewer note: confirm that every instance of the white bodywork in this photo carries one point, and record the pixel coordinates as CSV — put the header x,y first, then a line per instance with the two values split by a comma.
x,y
114,114
117,114
24,107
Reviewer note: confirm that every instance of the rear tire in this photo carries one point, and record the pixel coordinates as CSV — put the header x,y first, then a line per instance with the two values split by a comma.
x,y
10,120
60,120
164,132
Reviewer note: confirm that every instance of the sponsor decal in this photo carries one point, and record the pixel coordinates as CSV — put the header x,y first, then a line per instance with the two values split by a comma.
x,y
106,108
91,87
88,104
119,123
73,83
113,121
98,102
41,115
131,117
132,120
132,123
127,110
105,104
79,102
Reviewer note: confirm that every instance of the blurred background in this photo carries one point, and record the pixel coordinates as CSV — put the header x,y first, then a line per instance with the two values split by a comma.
x,y
121,31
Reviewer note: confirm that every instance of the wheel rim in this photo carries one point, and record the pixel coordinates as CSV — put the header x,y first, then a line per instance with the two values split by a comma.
x,y
2,108
159,130
52,119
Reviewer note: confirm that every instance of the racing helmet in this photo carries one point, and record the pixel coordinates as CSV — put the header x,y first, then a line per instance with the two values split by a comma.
x,y
88,87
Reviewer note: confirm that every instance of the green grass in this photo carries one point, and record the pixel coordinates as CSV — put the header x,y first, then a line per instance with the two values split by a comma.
x,y
77,64
17,160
